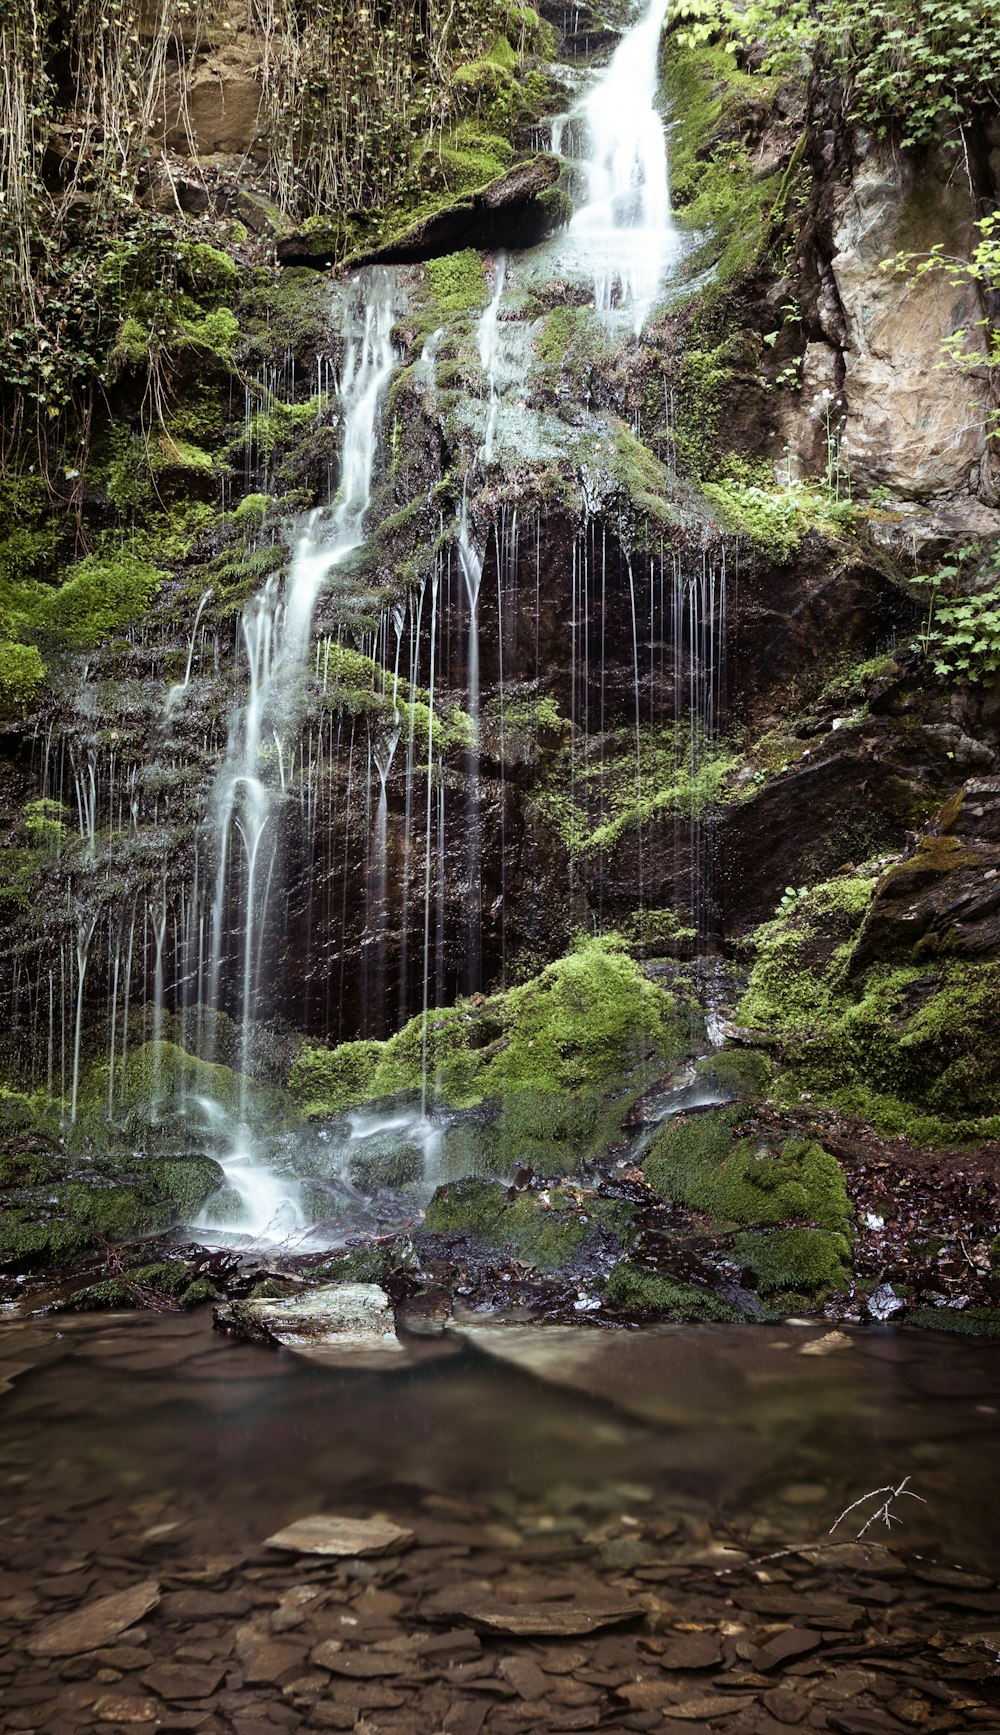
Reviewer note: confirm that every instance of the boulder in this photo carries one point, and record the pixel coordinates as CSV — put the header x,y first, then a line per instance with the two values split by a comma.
x,y
944,898
348,1322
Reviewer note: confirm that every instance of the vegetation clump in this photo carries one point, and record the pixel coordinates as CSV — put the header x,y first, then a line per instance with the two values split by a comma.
x,y
581,1028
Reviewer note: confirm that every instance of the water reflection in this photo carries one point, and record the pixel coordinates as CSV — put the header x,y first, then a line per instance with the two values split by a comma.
x,y
726,1428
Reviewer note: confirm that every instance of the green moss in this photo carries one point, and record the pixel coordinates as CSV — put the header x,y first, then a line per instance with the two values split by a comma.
x,y
471,1205
634,1289
98,597
912,1047
713,190
546,1239
972,1322
741,1072
22,677
112,1293
458,281
365,1263
700,1162
210,274
646,480
795,1261
198,1292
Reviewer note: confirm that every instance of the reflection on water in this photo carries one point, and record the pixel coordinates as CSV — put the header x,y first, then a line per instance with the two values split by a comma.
x,y
716,1425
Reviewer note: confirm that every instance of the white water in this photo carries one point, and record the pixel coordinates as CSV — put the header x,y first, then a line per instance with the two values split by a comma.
x,y
626,226
276,630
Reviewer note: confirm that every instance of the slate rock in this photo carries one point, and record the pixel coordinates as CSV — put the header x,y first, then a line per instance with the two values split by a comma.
x,y
345,1538
184,1680
96,1624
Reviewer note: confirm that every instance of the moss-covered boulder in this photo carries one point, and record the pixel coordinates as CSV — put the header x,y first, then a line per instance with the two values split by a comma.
x,y
909,1046
548,1067
61,1207
549,1230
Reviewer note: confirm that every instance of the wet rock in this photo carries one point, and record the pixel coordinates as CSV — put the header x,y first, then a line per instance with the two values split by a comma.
x,y
337,1321
944,897
884,1303
510,210
96,1624
550,1620
183,1680
345,1538
796,1642
712,1705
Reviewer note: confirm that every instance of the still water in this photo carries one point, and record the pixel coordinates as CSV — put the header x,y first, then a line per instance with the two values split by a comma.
x,y
745,1434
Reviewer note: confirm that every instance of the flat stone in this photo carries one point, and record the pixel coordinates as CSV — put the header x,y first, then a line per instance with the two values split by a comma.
x,y
338,1321
692,1651
713,1705
96,1624
796,1642
345,1538
525,1677
127,1708
549,1620
184,1680
360,1665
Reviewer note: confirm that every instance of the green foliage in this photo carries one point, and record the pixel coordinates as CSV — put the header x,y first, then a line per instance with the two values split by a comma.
x,y
971,1322
961,634
777,517
634,1289
919,67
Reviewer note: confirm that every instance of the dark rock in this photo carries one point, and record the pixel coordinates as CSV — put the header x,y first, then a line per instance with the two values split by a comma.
x,y
944,898
510,211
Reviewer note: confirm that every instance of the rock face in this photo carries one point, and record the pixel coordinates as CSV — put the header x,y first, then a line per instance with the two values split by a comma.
x,y
910,424
944,899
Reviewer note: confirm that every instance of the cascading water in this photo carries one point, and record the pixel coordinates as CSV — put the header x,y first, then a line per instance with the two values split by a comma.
x,y
625,226
276,631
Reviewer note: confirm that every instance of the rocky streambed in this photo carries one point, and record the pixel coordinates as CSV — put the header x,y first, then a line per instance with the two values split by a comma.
x,y
539,1541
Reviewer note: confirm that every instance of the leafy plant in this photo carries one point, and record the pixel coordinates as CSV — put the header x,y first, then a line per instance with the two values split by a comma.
x,y
918,68
961,633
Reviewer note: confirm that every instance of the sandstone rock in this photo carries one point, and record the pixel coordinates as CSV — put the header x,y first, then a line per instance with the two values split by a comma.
x,y
96,1624
910,424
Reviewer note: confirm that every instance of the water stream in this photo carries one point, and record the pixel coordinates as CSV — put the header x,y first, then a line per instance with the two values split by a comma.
x,y
625,226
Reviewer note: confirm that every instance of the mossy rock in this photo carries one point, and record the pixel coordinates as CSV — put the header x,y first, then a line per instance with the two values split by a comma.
x,y
562,1054
470,1206
740,1072
385,1162
86,1204
634,1289
367,1262
971,1322
701,1162
795,1261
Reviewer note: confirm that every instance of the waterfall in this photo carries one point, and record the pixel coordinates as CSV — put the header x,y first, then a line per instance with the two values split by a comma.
x,y
276,631
625,226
